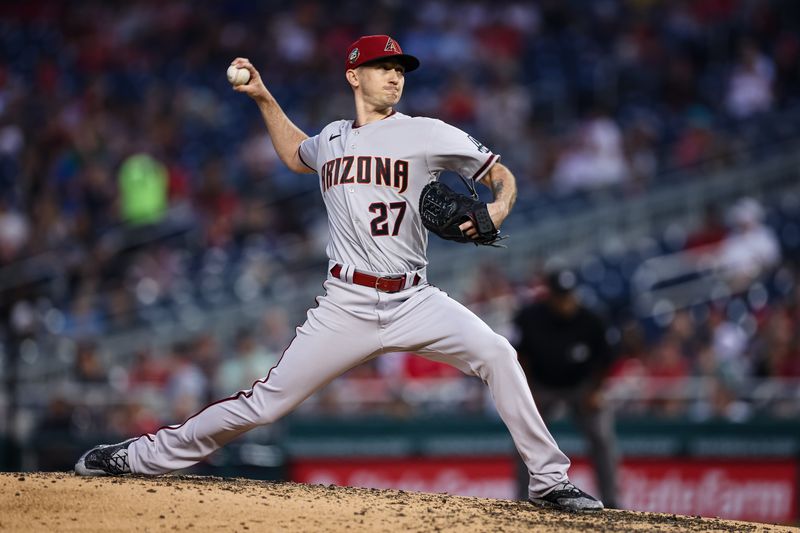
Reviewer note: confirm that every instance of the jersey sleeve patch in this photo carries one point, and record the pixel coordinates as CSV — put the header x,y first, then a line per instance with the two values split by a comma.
x,y
453,149
479,145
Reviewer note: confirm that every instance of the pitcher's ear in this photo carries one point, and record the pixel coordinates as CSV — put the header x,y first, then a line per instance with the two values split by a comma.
x,y
352,77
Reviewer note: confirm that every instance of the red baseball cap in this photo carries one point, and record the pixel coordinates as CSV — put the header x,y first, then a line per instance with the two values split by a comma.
x,y
373,47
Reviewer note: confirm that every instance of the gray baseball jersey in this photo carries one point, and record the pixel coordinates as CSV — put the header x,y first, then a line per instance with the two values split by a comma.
x,y
371,178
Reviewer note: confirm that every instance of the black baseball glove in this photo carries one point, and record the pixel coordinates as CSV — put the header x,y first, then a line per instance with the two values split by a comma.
x,y
443,210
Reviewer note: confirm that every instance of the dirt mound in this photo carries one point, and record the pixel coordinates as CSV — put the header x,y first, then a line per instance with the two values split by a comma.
x,y
64,502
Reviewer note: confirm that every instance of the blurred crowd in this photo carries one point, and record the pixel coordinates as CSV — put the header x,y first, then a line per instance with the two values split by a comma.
x,y
131,174
728,355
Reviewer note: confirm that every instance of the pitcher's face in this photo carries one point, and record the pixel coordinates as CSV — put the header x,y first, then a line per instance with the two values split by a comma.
x,y
381,83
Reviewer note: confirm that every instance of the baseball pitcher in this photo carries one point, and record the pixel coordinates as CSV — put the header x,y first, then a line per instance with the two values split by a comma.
x,y
378,179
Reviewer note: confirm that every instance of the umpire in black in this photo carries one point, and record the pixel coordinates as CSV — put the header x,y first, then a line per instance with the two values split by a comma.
x,y
563,348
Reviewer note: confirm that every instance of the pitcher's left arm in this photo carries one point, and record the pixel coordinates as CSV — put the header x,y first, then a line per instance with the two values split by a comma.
x,y
504,188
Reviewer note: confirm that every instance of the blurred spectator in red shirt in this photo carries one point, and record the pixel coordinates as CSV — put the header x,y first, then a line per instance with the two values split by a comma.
x,y
147,370
777,351
218,203
710,233
88,366
417,367
459,102
696,144
667,369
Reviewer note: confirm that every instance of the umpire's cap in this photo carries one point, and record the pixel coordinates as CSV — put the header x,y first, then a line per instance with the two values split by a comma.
x,y
374,47
561,281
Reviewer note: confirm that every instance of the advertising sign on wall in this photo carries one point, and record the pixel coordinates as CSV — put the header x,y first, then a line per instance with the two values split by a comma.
x,y
753,490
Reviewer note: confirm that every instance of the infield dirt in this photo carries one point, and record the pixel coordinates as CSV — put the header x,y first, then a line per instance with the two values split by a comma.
x,y
64,502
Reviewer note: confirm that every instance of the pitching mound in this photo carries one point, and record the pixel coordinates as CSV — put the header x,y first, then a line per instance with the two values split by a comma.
x,y
64,502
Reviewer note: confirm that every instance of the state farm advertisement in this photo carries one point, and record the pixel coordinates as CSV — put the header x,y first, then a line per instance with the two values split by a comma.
x,y
752,490
762,491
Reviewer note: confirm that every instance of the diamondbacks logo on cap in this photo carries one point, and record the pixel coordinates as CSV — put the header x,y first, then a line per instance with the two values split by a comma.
x,y
354,55
390,47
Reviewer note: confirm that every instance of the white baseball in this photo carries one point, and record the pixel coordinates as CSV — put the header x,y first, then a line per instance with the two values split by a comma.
x,y
238,76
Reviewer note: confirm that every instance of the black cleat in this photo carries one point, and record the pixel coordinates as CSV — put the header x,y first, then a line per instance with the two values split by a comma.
x,y
105,460
567,497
